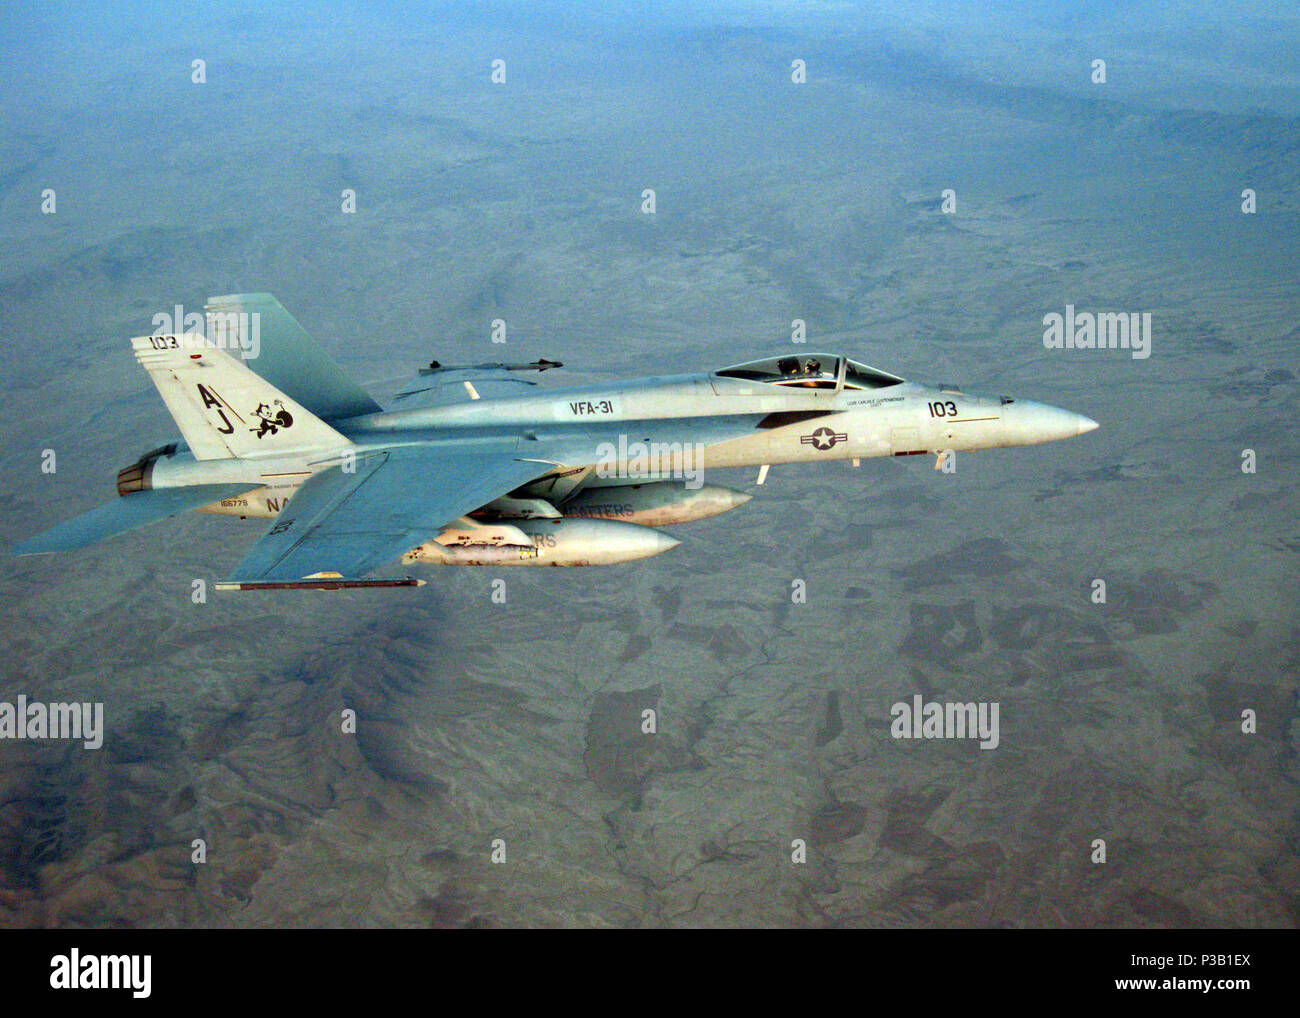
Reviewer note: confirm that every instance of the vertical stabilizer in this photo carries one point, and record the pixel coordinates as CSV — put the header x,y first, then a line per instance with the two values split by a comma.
x,y
281,351
222,408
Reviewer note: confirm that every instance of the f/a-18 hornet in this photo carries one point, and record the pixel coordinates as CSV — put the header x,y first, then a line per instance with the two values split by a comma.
x,y
478,465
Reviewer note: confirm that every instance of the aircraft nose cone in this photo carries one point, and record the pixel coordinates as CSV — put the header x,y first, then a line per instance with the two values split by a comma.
x,y
664,543
1028,423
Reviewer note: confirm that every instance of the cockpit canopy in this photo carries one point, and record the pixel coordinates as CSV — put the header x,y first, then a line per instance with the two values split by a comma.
x,y
811,370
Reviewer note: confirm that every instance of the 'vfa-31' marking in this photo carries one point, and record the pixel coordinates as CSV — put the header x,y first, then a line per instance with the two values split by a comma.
x,y
588,408
475,465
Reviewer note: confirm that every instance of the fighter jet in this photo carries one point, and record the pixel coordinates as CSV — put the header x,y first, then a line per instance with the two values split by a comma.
x,y
478,465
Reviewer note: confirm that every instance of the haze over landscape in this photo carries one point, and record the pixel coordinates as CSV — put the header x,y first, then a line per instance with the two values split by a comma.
x,y
775,200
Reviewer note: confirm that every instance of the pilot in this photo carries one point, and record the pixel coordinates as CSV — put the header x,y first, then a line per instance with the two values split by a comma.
x,y
812,367
788,365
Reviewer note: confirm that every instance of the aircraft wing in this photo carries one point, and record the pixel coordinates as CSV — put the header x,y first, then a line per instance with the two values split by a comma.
x,y
352,523
439,386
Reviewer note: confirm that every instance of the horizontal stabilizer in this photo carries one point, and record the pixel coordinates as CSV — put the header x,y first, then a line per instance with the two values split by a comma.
x,y
125,514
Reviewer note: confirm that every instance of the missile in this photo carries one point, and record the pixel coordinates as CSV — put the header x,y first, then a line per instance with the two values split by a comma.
x,y
559,542
325,583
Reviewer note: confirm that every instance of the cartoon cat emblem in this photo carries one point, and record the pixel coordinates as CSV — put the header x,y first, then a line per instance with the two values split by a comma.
x,y
270,423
